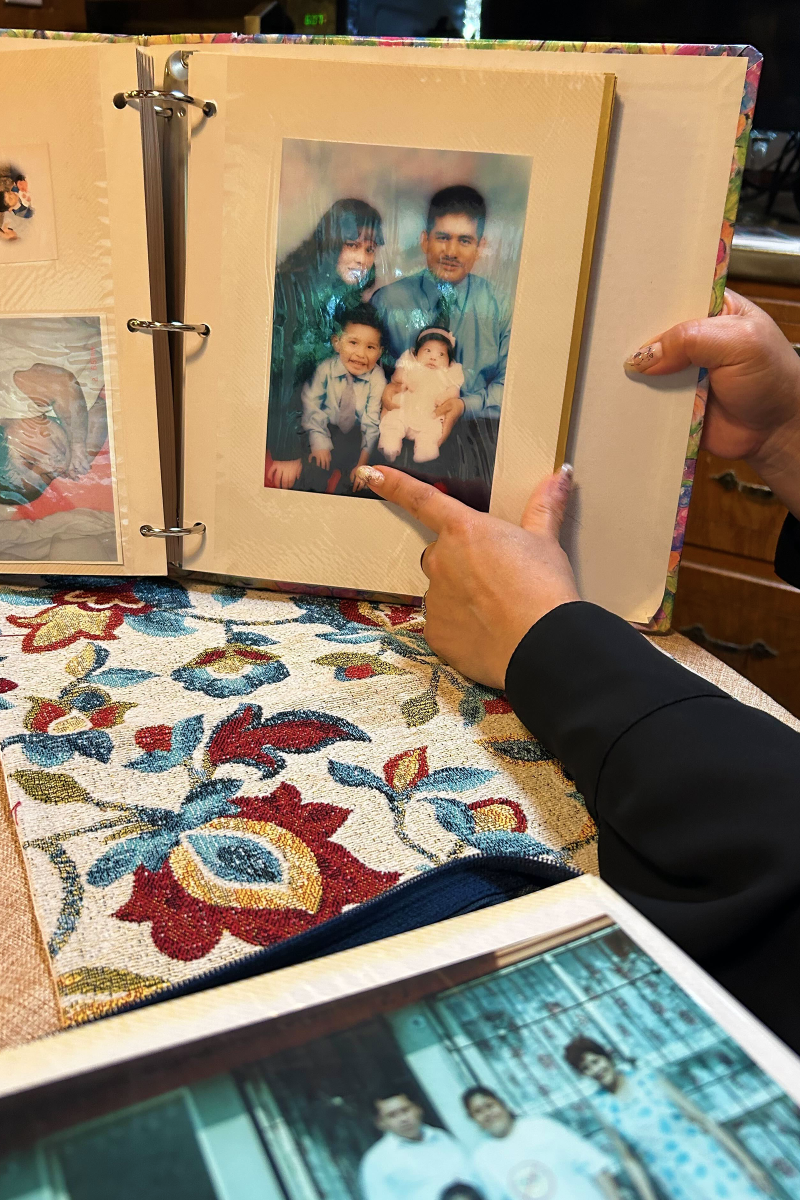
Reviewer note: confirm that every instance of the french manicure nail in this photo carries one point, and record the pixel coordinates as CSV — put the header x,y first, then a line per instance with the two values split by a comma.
x,y
646,357
370,475
565,478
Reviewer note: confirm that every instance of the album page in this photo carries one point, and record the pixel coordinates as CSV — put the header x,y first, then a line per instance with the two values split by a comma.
x,y
79,469
393,261
556,1045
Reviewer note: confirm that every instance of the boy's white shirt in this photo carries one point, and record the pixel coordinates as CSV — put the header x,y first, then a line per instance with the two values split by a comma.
x,y
321,395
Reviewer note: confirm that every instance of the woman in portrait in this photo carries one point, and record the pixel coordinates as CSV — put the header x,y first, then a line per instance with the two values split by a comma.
x,y
686,1154
315,285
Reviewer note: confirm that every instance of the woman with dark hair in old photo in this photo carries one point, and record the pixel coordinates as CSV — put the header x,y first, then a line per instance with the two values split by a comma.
x,y
686,1153
315,286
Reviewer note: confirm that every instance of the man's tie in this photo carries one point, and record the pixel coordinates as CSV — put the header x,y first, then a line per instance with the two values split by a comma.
x,y
347,406
444,305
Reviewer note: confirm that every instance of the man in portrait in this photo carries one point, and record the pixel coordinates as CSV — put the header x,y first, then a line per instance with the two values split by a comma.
x,y
447,293
412,1161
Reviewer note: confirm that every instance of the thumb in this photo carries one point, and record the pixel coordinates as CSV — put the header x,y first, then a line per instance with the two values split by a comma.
x,y
710,342
544,512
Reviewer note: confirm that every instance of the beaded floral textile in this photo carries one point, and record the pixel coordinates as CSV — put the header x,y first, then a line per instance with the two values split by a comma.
x,y
198,773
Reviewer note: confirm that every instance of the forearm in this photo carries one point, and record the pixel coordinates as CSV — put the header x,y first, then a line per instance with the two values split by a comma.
x,y
778,461
694,794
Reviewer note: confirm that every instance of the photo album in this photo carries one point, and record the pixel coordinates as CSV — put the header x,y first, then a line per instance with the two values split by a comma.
x,y
554,1046
282,261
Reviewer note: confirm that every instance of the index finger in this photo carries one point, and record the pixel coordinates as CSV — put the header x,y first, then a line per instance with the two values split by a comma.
x,y
423,501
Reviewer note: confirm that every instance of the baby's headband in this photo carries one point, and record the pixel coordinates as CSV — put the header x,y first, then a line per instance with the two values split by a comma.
x,y
435,329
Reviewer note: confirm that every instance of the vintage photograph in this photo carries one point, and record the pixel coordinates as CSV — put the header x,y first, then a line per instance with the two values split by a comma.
x,y
56,483
27,227
393,307
582,1072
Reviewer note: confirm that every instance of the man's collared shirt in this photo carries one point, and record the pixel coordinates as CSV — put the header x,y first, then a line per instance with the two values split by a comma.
x,y
397,1168
543,1158
479,320
321,397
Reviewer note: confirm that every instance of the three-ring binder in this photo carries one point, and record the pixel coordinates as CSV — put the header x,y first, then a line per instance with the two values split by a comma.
x,y
177,531
136,326
208,107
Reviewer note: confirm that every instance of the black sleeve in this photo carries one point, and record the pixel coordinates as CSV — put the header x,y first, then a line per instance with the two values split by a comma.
x,y
787,552
696,797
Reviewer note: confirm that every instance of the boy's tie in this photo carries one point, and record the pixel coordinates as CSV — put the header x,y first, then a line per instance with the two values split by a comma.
x,y
347,406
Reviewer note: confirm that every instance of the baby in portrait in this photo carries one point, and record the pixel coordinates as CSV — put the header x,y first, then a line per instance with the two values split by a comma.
x,y
342,405
427,374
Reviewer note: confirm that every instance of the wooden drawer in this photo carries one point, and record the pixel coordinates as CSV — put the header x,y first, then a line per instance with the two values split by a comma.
x,y
781,301
751,622
732,510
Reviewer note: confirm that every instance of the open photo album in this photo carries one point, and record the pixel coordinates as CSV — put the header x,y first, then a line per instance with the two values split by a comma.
x,y
283,261
557,1045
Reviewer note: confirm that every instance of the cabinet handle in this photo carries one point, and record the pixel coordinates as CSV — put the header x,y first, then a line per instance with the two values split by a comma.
x,y
698,635
754,491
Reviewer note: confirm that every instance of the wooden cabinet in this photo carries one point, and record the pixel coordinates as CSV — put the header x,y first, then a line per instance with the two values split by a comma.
x,y
68,16
729,599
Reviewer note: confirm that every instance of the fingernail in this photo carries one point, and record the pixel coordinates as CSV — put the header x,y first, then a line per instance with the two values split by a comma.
x,y
565,478
646,357
370,475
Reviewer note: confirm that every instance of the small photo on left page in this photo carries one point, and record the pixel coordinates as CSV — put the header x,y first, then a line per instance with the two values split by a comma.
x,y
394,293
56,483
27,219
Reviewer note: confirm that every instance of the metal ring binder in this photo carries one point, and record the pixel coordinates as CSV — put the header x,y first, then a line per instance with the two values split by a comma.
x,y
136,326
151,531
122,98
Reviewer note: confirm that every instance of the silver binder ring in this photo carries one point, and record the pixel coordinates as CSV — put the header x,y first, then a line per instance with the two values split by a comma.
x,y
122,98
136,326
178,531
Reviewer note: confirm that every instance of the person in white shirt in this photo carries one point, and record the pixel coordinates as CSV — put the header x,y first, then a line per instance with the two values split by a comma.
x,y
535,1158
412,1161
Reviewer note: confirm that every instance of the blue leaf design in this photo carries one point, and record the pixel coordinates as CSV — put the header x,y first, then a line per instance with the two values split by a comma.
x,y
500,841
245,638
27,599
454,816
159,624
454,779
207,801
347,638
50,750
225,595
146,849
199,679
186,737
349,775
162,593
235,858
123,677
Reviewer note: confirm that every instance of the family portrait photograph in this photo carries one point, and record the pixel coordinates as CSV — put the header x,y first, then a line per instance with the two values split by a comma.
x,y
393,309
27,226
56,486
581,1072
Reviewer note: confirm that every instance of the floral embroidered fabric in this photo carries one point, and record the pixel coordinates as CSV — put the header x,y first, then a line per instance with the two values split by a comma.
x,y
195,774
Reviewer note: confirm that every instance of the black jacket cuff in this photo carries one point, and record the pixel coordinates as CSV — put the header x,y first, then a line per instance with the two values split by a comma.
x,y
787,552
581,677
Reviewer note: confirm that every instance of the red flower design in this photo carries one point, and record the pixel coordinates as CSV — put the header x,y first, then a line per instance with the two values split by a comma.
x,y
186,926
499,814
405,770
364,613
154,737
79,614
359,671
500,705
7,685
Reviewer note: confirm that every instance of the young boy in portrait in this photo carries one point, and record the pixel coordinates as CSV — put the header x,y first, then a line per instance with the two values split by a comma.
x,y
342,406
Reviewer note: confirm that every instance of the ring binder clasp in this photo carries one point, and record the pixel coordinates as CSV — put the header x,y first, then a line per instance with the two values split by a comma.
x,y
122,98
136,326
178,531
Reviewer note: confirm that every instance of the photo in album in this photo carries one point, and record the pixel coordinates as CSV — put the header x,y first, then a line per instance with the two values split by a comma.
x,y
581,1071
27,225
393,306
56,483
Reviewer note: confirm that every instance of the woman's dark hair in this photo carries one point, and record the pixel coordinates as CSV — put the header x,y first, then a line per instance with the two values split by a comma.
x,y
453,1190
479,1090
461,199
9,177
575,1050
345,221
432,334
361,314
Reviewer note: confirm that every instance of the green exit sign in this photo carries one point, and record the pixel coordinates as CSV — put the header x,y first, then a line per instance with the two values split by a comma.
x,y
314,19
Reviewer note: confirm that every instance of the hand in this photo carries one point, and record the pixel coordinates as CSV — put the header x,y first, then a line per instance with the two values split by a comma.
x,y
284,473
322,458
490,580
389,397
449,409
754,400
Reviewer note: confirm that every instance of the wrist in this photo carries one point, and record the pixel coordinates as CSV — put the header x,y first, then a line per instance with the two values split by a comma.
x,y
777,461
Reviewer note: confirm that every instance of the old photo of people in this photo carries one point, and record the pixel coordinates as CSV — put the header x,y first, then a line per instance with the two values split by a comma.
x,y
393,304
